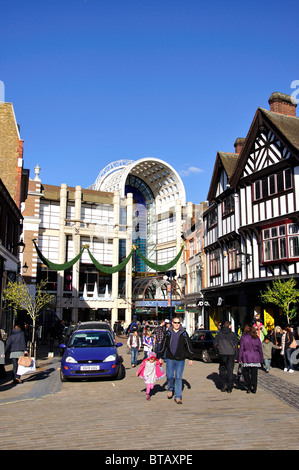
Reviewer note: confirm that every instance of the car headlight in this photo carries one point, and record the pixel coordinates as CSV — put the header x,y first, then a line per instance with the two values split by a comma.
x,y
110,358
71,359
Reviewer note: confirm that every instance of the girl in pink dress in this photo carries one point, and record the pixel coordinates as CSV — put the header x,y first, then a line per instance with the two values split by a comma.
x,y
151,371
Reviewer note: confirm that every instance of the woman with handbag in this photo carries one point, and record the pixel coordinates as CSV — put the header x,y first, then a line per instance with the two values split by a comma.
x,y
17,345
288,346
251,357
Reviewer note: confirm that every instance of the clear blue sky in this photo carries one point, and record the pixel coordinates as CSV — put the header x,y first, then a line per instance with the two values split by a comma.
x,y
95,81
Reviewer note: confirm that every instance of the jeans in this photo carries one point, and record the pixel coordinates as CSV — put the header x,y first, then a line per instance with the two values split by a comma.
x,y
267,363
134,356
158,347
287,358
226,368
174,374
15,367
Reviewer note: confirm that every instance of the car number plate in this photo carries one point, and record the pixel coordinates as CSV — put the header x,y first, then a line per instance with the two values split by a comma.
x,y
89,367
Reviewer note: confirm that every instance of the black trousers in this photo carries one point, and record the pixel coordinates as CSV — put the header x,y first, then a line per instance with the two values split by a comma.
x,y
250,377
226,368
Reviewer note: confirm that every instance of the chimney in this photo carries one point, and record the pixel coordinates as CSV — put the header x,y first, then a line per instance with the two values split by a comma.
x,y
239,144
282,104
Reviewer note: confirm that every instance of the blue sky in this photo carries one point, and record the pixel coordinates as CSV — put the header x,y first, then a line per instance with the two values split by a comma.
x,y
95,81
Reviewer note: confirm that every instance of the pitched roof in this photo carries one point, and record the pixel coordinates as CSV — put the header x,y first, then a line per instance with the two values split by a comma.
x,y
287,125
229,162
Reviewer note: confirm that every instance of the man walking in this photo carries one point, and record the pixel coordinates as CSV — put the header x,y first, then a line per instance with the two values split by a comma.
x,y
226,342
160,332
178,347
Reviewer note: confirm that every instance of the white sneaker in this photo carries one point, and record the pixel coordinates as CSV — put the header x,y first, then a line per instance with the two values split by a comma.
x,y
291,371
285,369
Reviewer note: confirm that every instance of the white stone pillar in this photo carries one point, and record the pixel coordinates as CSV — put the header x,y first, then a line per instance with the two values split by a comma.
x,y
61,246
129,265
77,246
115,257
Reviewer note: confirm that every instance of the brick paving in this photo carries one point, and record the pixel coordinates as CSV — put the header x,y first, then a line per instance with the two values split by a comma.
x,y
106,415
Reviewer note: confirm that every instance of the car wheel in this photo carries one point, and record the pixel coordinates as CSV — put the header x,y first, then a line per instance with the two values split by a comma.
x,y
120,373
62,376
206,356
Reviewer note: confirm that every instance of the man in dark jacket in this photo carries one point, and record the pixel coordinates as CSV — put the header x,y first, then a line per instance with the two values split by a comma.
x,y
226,342
178,347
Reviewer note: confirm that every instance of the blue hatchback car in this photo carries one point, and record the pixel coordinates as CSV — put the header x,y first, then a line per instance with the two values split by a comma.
x,y
91,353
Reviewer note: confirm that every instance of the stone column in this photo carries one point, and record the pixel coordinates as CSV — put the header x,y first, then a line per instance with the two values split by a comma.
x,y
129,265
61,246
77,246
115,257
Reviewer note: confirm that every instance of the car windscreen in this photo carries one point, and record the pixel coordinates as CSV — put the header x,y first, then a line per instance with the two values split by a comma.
x,y
91,339
93,326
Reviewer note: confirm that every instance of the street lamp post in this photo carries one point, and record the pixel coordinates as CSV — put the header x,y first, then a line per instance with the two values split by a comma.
x,y
169,290
170,278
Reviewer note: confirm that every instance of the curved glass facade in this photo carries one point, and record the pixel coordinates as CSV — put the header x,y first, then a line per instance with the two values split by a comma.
x,y
143,201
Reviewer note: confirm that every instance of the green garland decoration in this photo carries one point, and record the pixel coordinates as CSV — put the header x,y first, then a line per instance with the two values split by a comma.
x,y
160,267
110,269
55,266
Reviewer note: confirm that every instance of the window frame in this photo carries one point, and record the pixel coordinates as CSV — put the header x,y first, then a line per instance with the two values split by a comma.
x,y
278,240
263,187
234,260
214,260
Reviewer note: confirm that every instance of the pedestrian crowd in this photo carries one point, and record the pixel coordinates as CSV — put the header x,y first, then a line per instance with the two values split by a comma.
x,y
252,348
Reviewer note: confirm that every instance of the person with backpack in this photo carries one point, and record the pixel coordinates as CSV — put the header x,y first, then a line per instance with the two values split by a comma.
x,y
178,347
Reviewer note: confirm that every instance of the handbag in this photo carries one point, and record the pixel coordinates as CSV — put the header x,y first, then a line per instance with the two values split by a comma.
x,y
25,360
27,369
293,344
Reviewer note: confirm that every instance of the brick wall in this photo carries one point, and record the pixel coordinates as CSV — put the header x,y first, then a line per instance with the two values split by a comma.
x,y
11,152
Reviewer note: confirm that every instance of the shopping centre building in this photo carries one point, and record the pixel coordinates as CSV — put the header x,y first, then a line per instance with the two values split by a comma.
x,y
111,250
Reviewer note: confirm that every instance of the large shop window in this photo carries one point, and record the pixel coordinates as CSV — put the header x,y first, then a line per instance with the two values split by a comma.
x,y
281,242
273,184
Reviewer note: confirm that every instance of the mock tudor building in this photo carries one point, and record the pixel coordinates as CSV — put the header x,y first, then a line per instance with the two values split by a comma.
x,y
252,222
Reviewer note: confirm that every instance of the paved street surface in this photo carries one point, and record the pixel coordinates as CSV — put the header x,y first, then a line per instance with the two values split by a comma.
x,y
45,414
